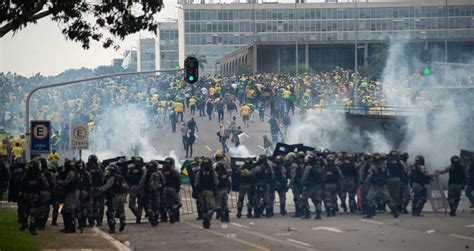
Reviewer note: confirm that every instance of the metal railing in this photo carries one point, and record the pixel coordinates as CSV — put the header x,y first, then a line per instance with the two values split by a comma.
x,y
368,110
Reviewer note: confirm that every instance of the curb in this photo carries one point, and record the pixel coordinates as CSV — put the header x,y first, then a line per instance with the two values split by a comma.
x,y
119,245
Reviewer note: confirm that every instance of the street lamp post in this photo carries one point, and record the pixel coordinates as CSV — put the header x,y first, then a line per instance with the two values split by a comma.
x,y
30,94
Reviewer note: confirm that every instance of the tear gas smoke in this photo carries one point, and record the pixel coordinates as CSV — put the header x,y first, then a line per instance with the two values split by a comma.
x,y
240,152
438,131
125,130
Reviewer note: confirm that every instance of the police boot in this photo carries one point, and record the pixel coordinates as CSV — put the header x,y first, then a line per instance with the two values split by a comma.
x,y
72,224
269,213
239,212
199,212
344,207
394,212
54,221
206,223
249,212
352,207
111,228
91,222
297,212
33,229
176,215
122,225
453,210
172,217
282,210
218,213
226,216
99,222
370,212
257,212
307,214
318,215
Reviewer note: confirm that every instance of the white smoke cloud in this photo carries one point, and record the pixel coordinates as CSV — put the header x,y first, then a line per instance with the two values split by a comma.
x,y
240,152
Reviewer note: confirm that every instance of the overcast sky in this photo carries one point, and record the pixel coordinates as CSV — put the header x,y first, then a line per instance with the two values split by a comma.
x,y
42,48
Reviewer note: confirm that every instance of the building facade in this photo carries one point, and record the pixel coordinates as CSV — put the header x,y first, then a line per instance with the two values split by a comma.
x,y
167,48
146,56
216,30
130,60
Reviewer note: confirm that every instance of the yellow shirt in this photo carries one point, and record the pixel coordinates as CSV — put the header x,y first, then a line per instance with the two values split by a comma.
x,y
212,90
17,151
178,107
192,101
286,94
3,149
53,156
250,93
245,110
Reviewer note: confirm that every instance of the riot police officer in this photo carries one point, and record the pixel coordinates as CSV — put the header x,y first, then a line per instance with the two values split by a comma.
x,y
419,178
134,175
171,190
312,185
405,187
97,179
349,172
396,178
263,174
378,178
69,183
364,168
279,185
296,183
115,189
32,183
332,178
206,183
457,181
84,210
45,195
246,187
470,183
151,184
223,173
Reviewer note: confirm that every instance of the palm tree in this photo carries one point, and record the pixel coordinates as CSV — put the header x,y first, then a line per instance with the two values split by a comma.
x,y
201,59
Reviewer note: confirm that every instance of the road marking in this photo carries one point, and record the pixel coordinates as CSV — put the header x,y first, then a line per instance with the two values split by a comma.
x,y
330,229
271,238
246,135
228,121
470,225
261,147
208,148
195,135
267,117
238,225
119,245
258,247
299,242
462,237
373,222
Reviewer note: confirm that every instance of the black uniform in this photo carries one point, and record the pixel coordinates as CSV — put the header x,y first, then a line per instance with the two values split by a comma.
x,y
97,178
456,183
263,174
134,175
206,183
115,189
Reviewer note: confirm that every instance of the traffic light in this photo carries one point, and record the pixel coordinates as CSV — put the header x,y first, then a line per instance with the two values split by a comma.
x,y
191,70
426,71
426,62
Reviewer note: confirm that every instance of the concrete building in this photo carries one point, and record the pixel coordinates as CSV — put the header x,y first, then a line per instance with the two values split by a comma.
x,y
117,62
130,60
167,49
146,56
328,32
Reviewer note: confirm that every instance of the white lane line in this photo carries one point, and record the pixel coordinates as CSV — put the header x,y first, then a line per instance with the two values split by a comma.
x,y
119,245
246,135
299,242
267,117
208,148
462,237
470,225
261,147
195,135
330,229
228,121
238,225
373,222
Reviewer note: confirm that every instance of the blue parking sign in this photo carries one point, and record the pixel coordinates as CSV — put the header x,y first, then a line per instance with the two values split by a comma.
x,y
40,137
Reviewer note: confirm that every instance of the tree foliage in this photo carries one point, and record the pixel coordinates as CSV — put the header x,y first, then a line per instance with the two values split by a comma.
x,y
83,21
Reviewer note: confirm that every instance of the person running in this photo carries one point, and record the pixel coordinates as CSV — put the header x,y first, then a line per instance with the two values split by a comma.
x,y
245,112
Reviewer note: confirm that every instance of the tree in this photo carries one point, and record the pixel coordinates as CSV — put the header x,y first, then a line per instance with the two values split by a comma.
x,y
201,59
83,20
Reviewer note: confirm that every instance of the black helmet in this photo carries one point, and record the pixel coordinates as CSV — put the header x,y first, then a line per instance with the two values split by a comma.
x,y
262,157
219,156
420,160
111,169
326,151
151,166
301,154
404,156
69,165
206,163
377,157
169,162
44,164
349,156
310,158
278,159
330,158
455,160
290,156
93,159
317,150
367,156
35,166
393,155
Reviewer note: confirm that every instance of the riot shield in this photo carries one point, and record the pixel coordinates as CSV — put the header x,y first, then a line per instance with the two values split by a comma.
x,y
235,164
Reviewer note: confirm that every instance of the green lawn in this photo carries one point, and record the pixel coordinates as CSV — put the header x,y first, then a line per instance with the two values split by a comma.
x,y
10,237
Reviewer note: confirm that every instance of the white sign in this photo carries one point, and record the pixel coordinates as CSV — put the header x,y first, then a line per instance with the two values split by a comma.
x,y
80,137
